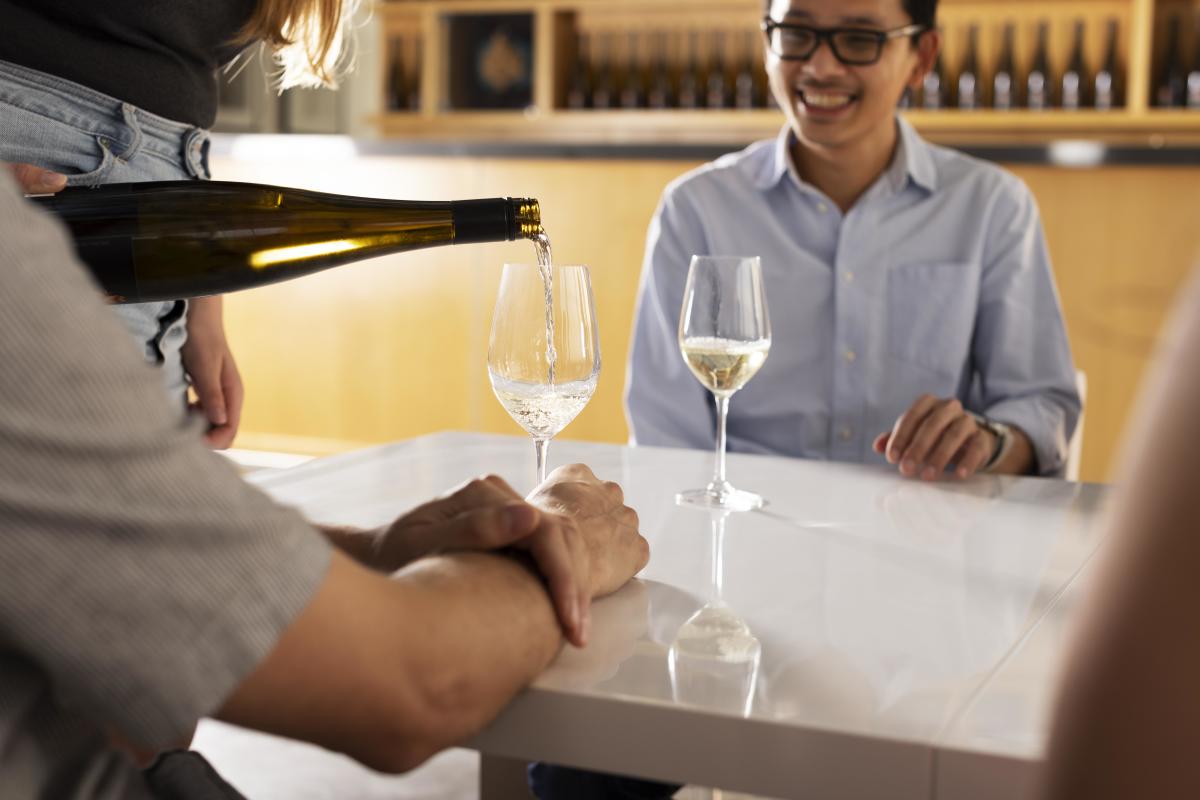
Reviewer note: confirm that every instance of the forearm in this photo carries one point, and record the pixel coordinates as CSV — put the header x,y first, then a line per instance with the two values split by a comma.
x,y
391,670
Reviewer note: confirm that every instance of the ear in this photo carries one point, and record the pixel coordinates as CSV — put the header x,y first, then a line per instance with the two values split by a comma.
x,y
929,44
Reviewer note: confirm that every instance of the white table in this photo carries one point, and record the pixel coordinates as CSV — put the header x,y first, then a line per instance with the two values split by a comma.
x,y
898,639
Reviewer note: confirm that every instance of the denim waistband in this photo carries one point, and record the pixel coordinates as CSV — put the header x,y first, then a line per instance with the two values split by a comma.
x,y
127,128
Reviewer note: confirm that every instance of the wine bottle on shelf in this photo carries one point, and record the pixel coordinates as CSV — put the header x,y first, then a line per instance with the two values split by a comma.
x,y
717,93
579,92
968,76
1074,79
1038,84
1106,76
1005,80
1172,89
745,85
1193,78
933,87
397,81
632,91
692,78
414,81
604,87
660,95
177,239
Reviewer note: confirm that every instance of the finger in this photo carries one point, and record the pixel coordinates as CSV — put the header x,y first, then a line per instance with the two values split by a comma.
x,y
974,454
906,426
488,528
552,556
35,180
219,437
881,442
951,441
235,396
927,435
474,494
206,384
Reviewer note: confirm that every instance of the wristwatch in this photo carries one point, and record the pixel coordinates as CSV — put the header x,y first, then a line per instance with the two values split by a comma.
x,y
1004,438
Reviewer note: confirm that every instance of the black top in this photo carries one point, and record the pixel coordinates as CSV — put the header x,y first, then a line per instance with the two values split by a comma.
x,y
159,55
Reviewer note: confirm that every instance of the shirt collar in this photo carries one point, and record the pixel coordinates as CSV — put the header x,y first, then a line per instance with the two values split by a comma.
x,y
913,160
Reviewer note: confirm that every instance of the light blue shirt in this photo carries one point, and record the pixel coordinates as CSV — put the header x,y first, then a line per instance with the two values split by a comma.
x,y
937,281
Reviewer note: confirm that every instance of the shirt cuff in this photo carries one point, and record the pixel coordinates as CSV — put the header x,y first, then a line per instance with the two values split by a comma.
x,y
1044,425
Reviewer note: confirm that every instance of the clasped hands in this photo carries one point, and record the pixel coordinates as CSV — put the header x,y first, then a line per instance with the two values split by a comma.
x,y
575,530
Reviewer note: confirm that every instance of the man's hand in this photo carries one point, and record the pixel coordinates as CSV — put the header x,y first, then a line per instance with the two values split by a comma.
x,y
609,528
576,529
209,364
933,433
35,180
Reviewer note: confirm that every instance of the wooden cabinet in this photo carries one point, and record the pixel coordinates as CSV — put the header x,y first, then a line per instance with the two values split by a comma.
x,y
643,33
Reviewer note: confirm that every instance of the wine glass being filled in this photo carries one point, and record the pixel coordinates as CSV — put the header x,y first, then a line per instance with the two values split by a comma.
x,y
544,351
724,335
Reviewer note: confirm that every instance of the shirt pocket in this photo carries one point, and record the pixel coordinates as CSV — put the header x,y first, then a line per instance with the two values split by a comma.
x,y
931,311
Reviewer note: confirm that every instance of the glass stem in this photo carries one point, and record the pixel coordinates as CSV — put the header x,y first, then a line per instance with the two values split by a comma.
x,y
718,556
722,413
539,449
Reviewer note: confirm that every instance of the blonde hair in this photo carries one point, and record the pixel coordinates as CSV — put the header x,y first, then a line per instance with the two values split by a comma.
x,y
307,37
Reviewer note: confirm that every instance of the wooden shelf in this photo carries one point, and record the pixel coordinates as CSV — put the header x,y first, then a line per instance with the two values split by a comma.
x,y
545,122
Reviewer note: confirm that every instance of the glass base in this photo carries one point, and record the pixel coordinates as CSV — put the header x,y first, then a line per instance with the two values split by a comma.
x,y
727,500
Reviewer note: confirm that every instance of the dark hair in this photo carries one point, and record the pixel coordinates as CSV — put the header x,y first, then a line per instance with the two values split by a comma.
x,y
923,12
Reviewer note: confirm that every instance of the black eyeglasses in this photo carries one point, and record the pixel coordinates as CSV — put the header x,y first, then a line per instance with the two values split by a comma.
x,y
853,46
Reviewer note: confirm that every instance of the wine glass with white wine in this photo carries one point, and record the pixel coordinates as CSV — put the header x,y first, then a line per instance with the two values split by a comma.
x,y
544,351
725,335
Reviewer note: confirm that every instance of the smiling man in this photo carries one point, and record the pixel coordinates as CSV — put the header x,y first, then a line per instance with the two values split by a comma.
x,y
914,310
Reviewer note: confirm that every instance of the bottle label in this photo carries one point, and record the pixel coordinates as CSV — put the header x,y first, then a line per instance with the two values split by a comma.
x,y
966,92
1104,92
1003,92
1193,90
933,92
1037,91
1070,98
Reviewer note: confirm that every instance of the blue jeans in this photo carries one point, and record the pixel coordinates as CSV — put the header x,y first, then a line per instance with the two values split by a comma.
x,y
94,139
552,782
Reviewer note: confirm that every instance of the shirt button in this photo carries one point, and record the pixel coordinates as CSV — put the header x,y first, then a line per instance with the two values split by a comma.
x,y
850,356
822,208
849,277
846,434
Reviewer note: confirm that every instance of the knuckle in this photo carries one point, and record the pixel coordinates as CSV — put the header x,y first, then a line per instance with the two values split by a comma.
x,y
954,405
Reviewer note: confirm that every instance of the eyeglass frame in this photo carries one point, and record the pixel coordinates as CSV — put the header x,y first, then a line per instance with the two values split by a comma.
x,y
826,36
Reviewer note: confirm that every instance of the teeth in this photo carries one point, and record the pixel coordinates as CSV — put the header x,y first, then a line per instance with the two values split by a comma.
x,y
826,100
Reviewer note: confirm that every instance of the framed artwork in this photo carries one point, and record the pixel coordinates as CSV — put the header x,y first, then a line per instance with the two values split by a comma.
x,y
490,61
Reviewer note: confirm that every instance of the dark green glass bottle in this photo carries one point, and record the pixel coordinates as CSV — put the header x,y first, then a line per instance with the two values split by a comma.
x,y
178,239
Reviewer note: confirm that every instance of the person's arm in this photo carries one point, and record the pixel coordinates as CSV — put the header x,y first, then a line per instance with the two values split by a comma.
x,y
389,671
214,375
1020,347
1130,698
664,403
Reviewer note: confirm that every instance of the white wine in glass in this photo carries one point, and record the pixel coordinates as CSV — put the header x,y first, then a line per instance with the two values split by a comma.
x,y
544,351
724,335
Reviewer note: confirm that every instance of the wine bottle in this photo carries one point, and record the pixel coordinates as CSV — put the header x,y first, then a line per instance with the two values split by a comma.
x,y
397,82
933,87
604,87
659,96
414,82
968,76
745,85
176,239
1172,88
1106,77
579,92
692,76
1038,84
1074,79
632,90
717,95
1193,78
1005,79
